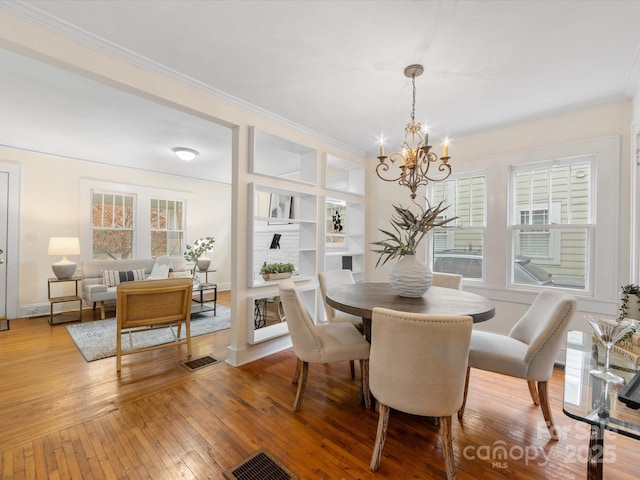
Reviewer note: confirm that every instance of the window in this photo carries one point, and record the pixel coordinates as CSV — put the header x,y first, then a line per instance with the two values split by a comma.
x,y
551,221
460,250
167,228
131,221
112,219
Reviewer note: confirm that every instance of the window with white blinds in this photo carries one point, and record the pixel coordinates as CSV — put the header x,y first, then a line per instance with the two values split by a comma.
x,y
551,220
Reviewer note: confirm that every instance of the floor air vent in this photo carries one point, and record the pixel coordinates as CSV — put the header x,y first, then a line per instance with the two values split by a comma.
x,y
259,466
200,362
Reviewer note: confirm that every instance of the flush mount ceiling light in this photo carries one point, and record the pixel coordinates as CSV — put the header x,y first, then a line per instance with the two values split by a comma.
x,y
415,156
185,154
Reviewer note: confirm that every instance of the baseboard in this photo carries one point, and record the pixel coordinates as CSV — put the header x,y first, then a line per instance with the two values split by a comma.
x,y
35,310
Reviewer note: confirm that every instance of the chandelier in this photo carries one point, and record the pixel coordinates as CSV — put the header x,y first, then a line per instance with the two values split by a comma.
x,y
415,158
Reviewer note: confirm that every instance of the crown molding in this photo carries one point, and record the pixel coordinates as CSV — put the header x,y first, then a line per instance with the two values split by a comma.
x,y
84,37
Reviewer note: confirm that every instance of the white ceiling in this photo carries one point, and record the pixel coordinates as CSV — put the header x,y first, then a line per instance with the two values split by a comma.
x,y
334,68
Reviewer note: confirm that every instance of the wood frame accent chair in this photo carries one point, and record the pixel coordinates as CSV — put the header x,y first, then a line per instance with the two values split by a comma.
x,y
447,280
530,349
323,343
153,304
417,365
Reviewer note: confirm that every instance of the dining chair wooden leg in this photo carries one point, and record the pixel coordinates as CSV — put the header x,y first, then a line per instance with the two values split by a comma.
x,y
546,410
301,384
464,398
364,372
381,434
533,391
352,364
447,447
296,374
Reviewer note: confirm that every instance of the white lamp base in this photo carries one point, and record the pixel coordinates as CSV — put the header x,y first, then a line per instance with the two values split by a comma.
x,y
63,270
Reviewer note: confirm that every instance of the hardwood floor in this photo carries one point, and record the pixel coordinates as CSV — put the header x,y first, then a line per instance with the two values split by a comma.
x,y
61,417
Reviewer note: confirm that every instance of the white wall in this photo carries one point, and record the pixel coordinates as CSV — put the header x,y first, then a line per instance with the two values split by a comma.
x,y
50,206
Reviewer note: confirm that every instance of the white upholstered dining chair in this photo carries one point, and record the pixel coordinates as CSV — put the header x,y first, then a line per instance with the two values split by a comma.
x,y
418,365
447,280
324,343
529,350
335,278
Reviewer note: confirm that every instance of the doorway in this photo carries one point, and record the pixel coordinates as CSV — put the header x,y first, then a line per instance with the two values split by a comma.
x,y
9,198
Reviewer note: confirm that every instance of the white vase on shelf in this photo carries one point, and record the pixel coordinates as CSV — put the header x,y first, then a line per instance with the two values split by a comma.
x,y
410,277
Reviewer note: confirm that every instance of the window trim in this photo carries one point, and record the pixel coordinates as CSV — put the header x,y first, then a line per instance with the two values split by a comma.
x,y
142,228
480,228
602,286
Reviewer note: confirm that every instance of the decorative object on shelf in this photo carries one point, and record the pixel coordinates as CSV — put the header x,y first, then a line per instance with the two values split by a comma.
x,y
276,271
64,246
337,222
196,253
280,207
410,229
609,332
415,156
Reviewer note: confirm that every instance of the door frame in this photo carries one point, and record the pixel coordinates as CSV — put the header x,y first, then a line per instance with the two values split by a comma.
x,y
12,257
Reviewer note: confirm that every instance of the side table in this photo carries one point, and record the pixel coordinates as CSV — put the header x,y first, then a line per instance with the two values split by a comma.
x,y
200,304
62,317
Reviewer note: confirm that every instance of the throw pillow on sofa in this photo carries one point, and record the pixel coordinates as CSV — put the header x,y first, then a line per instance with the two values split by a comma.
x,y
113,278
159,272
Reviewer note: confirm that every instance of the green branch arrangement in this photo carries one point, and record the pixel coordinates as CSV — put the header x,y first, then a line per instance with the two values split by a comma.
x,y
200,246
409,230
625,292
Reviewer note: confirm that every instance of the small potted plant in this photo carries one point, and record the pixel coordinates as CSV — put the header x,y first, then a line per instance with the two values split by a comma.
x,y
629,302
276,271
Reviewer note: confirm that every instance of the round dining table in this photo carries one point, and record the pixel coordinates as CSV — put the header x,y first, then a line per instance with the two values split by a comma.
x,y
361,298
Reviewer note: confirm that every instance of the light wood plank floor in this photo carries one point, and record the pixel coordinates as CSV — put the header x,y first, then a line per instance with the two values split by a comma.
x,y
61,417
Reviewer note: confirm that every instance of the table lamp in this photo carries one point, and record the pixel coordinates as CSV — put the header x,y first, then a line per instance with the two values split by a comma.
x,y
64,246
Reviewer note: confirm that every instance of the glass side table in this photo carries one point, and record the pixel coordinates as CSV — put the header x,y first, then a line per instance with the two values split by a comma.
x,y
593,401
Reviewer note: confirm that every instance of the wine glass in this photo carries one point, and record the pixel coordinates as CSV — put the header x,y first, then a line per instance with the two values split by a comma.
x,y
609,332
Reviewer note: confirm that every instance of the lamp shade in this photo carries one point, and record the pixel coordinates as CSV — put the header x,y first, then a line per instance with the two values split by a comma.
x,y
64,246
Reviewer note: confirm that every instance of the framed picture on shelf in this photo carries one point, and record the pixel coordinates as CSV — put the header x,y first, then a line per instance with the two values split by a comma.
x,y
280,208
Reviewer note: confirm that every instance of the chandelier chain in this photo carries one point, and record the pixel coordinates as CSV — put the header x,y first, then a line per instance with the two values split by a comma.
x,y
413,105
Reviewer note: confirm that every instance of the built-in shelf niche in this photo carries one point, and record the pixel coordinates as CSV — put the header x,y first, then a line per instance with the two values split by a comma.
x,y
281,158
343,175
344,236
283,230
265,316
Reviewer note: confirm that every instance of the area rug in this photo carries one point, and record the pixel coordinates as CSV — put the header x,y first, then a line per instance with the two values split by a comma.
x,y
97,339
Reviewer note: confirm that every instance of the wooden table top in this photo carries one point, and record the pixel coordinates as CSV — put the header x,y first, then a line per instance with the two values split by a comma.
x,y
361,298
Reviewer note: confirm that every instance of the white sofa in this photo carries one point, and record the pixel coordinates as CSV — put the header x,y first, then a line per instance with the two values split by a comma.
x,y
94,289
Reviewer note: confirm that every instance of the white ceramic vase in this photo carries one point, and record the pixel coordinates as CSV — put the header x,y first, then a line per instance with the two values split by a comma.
x,y
410,277
203,263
